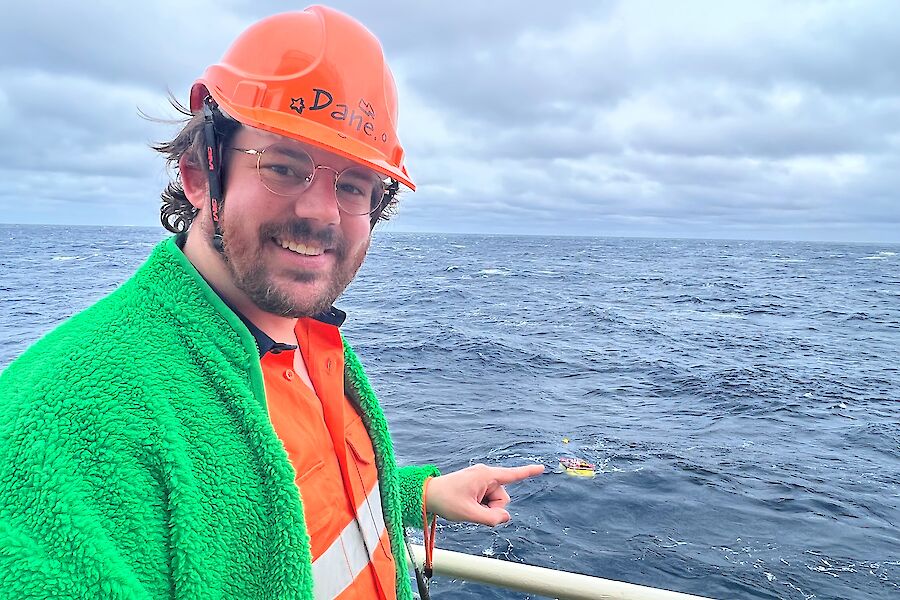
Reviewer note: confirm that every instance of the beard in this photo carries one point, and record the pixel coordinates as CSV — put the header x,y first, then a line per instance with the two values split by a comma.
x,y
245,259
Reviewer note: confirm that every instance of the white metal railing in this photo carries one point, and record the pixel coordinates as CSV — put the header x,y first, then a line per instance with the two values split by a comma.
x,y
539,580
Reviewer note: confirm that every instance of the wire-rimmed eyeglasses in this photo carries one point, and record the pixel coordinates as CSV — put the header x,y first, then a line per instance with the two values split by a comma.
x,y
288,170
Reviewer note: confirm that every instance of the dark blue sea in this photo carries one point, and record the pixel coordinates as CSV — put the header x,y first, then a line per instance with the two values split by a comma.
x,y
741,399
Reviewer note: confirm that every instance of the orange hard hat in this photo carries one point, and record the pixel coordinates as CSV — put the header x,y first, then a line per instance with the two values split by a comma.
x,y
318,76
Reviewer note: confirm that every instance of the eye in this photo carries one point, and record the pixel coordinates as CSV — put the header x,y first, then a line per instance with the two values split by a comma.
x,y
287,170
282,170
357,183
349,188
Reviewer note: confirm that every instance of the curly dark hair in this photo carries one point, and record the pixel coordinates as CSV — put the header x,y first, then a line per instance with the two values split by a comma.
x,y
176,212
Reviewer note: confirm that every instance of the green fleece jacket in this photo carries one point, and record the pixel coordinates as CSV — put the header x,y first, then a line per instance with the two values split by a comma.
x,y
138,460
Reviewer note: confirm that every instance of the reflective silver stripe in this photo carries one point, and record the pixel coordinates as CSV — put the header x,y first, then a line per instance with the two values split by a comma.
x,y
351,552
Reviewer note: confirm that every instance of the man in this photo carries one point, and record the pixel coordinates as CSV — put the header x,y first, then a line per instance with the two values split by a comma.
x,y
204,432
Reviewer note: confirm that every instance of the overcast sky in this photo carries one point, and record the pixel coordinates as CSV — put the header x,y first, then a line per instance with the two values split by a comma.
x,y
753,120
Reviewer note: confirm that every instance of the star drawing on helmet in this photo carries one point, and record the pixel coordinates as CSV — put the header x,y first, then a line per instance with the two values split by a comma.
x,y
297,105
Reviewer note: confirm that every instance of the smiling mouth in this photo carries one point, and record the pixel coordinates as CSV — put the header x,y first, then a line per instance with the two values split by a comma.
x,y
298,248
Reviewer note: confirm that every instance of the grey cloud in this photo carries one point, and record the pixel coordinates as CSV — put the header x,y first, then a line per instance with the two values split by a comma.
x,y
410,27
82,199
817,125
139,44
720,92
67,124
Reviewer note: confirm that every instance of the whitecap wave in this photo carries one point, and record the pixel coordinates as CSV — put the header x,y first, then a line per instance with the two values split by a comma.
x,y
727,315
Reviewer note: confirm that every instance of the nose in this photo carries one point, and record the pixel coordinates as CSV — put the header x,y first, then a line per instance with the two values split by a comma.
x,y
319,200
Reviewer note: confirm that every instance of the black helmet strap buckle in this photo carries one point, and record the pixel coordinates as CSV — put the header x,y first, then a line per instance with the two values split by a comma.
x,y
213,169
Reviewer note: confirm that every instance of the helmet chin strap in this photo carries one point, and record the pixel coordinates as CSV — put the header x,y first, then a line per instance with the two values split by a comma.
x,y
213,170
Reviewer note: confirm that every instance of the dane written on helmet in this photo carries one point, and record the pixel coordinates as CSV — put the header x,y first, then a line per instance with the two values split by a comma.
x,y
342,112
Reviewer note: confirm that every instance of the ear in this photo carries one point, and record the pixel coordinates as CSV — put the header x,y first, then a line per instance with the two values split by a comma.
x,y
195,181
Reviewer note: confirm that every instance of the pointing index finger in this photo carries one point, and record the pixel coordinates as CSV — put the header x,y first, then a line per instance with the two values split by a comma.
x,y
505,475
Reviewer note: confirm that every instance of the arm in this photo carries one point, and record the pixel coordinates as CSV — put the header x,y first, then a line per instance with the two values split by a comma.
x,y
412,481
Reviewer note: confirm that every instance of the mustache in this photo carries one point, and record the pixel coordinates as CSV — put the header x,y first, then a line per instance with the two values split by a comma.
x,y
305,233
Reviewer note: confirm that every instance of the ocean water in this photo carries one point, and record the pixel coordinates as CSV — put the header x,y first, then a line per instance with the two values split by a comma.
x,y
741,399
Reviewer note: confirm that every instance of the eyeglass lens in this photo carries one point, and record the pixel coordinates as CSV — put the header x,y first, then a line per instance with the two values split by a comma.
x,y
287,171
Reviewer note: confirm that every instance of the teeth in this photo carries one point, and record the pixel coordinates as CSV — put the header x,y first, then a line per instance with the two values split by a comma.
x,y
301,248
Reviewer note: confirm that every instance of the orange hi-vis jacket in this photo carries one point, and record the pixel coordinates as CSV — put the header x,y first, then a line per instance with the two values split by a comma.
x,y
333,460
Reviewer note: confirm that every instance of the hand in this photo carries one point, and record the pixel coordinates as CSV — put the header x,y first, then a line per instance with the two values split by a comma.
x,y
476,493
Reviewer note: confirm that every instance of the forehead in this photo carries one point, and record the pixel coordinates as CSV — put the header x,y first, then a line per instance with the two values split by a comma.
x,y
257,139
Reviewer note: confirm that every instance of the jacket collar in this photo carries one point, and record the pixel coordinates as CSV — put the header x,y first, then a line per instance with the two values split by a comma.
x,y
333,316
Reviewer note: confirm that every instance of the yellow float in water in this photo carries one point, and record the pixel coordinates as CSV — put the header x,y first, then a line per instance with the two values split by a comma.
x,y
578,467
